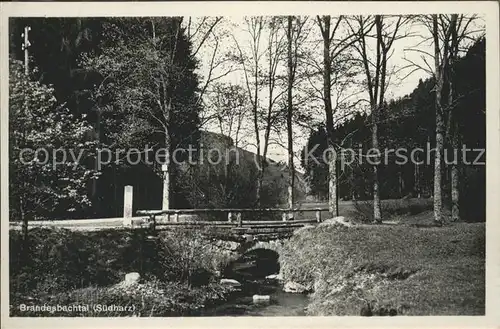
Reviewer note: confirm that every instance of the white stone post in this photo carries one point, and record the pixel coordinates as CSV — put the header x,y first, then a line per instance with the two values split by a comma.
x,y
127,205
318,216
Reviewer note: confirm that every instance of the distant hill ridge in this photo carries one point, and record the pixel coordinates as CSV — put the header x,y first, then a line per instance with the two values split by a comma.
x,y
275,172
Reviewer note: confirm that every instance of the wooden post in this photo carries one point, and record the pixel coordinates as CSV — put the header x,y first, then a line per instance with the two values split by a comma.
x,y
176,217
25,47
238,218
153,223
318,216
283,216
127,205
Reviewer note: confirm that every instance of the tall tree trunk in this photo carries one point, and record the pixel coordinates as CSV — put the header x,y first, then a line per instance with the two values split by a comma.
x,y
455,172
289,117
260,161
167,108
353,186
260,167
379,81
400,184
455,193
453,123
166,167
332,163
438,197
377,214
166,174
24,220
258,188
416,181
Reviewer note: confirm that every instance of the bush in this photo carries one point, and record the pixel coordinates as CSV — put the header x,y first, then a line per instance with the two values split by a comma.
x,y
71,268
60,260
149,299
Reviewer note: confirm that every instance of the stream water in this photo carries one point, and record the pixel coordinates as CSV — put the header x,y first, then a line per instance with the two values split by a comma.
x,y
281,303
251,270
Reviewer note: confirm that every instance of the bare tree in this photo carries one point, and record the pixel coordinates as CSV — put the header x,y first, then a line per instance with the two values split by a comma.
x,y
451,31
262,82
441,61
461,30
164,98
452,126
449,35
376,78
228,108
206,35
295,35
331,51
250,65
203,31
289,127
276,47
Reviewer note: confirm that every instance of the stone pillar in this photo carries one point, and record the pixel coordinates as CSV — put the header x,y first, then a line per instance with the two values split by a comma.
x,y
318,216
166,188
127,205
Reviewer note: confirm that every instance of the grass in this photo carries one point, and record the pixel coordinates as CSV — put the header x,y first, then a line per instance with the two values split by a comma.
x,y
362,211
379,269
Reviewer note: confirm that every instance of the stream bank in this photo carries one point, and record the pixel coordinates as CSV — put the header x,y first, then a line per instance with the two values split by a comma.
x,y
384,270
165,285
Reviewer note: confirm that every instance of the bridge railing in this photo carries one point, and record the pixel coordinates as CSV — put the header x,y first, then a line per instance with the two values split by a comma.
x,y
234,217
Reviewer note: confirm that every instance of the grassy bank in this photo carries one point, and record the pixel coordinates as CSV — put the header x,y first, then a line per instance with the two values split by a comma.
x,y
390,269
61,267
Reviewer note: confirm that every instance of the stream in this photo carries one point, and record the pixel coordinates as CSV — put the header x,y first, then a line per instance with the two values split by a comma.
x,y
280,304
251,270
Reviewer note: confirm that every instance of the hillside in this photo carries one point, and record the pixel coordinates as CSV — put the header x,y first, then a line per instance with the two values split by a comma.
x,y
276,174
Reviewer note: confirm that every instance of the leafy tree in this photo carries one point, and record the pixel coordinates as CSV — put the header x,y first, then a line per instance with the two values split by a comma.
x,y
148,95
43,185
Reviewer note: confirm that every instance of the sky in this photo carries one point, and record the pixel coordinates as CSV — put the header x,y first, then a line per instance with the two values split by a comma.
x,y
233,30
